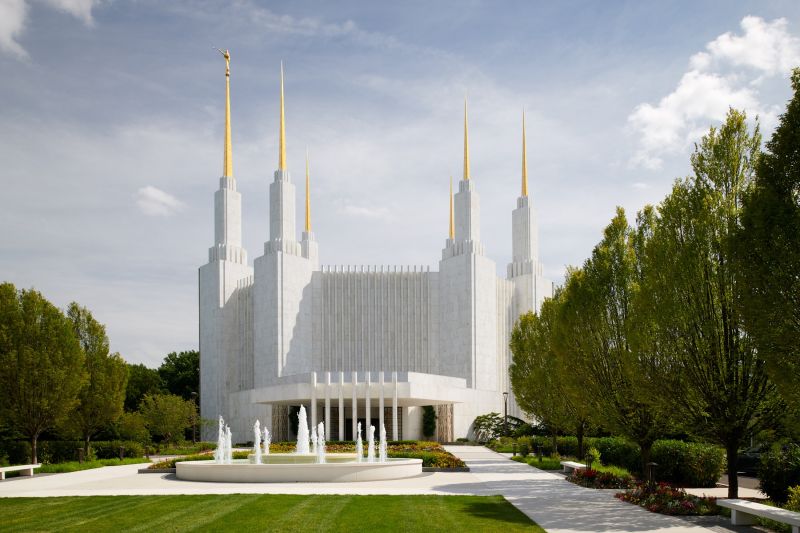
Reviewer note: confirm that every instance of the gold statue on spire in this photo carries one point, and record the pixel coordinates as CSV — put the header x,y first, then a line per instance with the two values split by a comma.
x,y
227,161
282,141
524,159
452,223
466,142
308,198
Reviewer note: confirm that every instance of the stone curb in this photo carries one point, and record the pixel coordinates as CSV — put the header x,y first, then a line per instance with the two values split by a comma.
x,y
456,469
156,470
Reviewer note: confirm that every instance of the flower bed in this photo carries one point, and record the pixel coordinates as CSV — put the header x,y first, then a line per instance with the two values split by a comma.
x,y
431,453
666,499
595,479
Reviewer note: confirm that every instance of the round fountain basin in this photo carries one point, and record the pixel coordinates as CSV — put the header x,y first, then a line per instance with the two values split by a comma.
x,y
294,468
301,458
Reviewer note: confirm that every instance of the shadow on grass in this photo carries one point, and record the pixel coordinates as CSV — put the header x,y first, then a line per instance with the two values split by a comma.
x,y
497,508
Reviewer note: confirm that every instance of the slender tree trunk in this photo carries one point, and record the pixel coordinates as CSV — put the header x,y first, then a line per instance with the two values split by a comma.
x,y
579,432
646,452
86,439
555,441
732,452
34,441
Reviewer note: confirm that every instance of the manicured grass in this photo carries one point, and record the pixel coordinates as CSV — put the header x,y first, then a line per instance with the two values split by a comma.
x,y
549,463
264,512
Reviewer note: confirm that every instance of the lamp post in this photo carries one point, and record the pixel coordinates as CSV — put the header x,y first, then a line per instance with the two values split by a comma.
x,y
505,414
194,419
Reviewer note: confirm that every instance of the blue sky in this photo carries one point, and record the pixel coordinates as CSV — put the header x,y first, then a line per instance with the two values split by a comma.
x,y
111,129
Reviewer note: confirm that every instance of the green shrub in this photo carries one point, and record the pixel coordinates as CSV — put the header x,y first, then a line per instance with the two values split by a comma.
x,y
793,501
779,470
593,456
689,464
110,449
524,449
618,451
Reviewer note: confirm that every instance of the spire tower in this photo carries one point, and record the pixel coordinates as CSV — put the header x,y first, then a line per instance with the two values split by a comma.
x,y
282,141
452,221
524,159
227,159
308,198
466,143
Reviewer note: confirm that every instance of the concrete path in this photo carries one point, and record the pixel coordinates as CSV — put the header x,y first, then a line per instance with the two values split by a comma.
x,y
555,504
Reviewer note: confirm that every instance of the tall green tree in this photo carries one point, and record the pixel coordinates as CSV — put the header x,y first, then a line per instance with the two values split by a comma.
x,y
720,385
167,415
537,375
606,362
180,373
141,382
768,247
41,363
102,397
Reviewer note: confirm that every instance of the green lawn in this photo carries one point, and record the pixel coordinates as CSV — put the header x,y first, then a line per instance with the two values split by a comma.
x,y
549,463
264,512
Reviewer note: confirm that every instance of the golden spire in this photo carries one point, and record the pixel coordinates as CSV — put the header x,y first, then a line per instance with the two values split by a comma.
x,y
227,161
524,159
466,142
452,224
308,198
282,141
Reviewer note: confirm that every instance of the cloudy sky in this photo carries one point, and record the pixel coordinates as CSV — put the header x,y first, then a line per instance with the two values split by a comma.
x,y
111,129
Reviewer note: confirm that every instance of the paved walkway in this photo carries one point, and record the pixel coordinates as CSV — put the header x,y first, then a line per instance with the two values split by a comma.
x,y
556,505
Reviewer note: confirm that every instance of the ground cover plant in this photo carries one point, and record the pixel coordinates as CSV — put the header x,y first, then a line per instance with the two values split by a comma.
x,y
74,466
664,498
261,512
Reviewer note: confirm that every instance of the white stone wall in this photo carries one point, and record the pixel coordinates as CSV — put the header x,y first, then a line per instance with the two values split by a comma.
x,y
374,318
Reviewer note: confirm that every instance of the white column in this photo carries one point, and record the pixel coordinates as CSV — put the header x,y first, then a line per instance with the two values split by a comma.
x,y
313,399
366,396
395,431
380,401
327,406
341,405
355,403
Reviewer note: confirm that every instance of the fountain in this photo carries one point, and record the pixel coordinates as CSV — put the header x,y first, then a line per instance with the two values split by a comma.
x,y
321,442
371,445
382,451
257,442
314,441
359,446
300,465
267,441
302,431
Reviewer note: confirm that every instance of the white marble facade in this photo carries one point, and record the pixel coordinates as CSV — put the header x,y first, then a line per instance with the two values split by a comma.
x,y
359,342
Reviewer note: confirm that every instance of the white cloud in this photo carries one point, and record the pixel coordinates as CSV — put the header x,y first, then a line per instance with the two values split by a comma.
x,y
714,83
765,46
12,22
14,17
155,202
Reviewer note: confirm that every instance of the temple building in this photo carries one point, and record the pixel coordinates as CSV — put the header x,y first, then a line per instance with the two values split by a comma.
x,y
358,343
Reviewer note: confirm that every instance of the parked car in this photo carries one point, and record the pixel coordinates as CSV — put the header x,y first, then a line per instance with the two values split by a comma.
x,y
750,459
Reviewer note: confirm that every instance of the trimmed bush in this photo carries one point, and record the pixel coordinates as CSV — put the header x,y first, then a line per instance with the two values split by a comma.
x,y
780,469
689,464
110,449
618,451
64,451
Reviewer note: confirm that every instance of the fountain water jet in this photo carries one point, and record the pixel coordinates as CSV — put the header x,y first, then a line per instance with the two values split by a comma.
x,y
314,441
321,442
228,445
219,453
359,446
267,441
257,442
371,445
302,431
382,452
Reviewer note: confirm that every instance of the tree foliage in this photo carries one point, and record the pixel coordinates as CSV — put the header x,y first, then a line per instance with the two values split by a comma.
x,y
768,246
167,415
180,373
101,399
41,363
141,382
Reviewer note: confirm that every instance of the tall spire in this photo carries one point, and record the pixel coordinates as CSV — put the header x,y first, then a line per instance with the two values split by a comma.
x,y
282,141
452,222
524,159
227,159
308,198
466,142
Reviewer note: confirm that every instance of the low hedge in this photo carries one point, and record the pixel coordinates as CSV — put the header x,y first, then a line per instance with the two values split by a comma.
x,y
618,451
62,451
688,464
